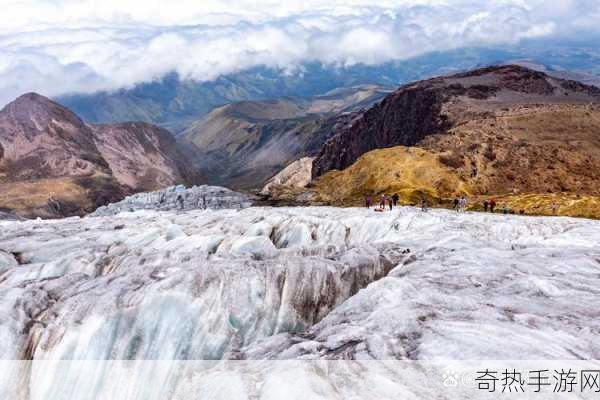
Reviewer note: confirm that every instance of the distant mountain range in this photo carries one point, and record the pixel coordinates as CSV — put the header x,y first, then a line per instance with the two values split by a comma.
x,y
175,104
520,130
243,144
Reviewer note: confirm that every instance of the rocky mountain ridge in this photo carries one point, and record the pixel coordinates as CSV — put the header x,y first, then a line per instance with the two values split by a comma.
x,y
523,136
53,164
434,106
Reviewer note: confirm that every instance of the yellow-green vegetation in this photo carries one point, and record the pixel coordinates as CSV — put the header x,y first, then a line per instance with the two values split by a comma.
x,y
411,172
31,197
415,173
563,204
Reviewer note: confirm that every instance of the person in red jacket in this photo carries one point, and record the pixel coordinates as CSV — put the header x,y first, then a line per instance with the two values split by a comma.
x,y
492,204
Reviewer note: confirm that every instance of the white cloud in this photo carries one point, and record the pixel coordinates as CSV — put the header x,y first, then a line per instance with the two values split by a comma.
x,y
59,46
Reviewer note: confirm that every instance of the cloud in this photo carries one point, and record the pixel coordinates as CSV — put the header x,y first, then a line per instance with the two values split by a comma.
x,y
60,46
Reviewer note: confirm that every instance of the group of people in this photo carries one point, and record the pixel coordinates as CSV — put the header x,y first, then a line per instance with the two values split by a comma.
x,y
391,201
460,204
489,204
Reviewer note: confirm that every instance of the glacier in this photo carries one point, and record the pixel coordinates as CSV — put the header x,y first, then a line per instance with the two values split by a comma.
x,y
162,288
178,198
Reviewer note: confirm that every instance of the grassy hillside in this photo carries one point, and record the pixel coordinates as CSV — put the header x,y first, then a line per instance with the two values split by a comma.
x,y
415,173
412,172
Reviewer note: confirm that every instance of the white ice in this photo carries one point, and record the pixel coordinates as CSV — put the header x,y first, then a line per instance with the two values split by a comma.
x,y
308,283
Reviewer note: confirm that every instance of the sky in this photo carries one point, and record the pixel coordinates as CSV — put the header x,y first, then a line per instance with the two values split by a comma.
x,y
65,46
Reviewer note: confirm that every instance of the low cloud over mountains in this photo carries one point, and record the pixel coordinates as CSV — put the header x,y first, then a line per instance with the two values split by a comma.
x,y
84,46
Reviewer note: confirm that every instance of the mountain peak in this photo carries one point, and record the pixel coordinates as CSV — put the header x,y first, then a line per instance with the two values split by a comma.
x,y
31,98
48,150
33,106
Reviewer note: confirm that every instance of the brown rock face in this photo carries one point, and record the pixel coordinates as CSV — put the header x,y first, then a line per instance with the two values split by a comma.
x,y
425,113
402,118
143,157
42,139
52,164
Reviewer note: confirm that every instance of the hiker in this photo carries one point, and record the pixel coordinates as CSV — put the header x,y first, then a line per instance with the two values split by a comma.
x,y
474,171
492,203
456,204
424,205
180,201
382,202
485,205
390,203
462,204
554,208
396,199
368,201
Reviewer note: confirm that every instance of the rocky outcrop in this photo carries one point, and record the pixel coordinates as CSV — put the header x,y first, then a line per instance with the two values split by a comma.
x,y
429,108
402,118
179,198
297,175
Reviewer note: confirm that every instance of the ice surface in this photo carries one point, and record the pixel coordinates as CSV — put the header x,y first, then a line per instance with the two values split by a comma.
x,y
195,285
285,283
194,198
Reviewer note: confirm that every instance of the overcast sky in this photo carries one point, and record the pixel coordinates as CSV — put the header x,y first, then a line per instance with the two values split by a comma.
x,y
59,46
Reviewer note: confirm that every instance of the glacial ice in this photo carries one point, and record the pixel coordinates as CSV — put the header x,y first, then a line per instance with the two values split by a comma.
x,y
194,198
299,283
193,285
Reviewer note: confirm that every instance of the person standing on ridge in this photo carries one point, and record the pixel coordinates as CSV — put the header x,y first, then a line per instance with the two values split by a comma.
x,y
396,199
368,200
455,204
390,202
485,205
424,207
